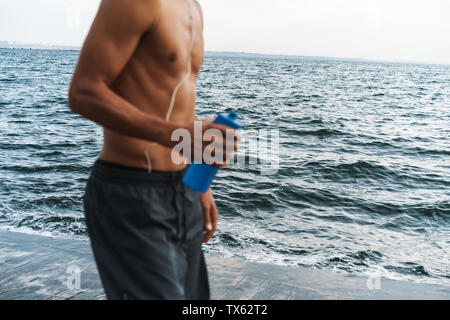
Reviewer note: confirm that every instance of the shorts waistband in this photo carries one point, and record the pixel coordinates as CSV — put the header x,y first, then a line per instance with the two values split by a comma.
x,y
116,173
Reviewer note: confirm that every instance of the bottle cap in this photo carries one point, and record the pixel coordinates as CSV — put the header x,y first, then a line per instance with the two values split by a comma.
x,y
233,114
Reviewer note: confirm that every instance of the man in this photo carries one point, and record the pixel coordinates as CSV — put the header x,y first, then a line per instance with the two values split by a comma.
x,y
146,229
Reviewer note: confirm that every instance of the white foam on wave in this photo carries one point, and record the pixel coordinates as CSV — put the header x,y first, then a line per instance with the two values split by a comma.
x,y
48,234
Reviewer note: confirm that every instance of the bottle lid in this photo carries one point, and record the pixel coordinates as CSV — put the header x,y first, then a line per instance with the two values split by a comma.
x,y
233,115
228,120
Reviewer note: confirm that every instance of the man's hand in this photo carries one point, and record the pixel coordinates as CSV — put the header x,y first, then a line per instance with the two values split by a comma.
x,y
214,137
210,215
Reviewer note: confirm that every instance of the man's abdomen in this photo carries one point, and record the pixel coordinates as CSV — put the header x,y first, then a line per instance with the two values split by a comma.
x,y
131,151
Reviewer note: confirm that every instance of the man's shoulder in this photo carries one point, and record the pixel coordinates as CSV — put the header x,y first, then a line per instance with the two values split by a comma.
x,y
133,4
150,4
141,13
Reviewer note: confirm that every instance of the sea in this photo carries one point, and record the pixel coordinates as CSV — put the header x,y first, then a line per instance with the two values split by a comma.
x,y
362,170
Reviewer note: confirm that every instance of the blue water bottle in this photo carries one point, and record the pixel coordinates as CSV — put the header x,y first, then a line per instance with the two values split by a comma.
x,y
199,176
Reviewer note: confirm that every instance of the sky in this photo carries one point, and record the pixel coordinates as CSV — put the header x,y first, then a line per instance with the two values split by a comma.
x,y
395,30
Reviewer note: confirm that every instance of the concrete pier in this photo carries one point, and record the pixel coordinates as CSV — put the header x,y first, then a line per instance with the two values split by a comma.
x,y
35,267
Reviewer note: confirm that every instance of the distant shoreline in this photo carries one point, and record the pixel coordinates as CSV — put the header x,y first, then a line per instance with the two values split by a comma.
x,y
36,46
6,45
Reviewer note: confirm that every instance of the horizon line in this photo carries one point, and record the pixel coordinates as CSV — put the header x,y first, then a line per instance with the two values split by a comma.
x,y
39,46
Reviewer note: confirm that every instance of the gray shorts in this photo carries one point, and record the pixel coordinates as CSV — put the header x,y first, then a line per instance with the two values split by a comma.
x,y
146,233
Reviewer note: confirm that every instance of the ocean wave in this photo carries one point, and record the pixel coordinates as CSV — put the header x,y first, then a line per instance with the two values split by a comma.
x,y
38,146
46,168
229,240
242,95
410,268
315,121
362,166
353,170
321,133
8,80
57,202
426,151
370,171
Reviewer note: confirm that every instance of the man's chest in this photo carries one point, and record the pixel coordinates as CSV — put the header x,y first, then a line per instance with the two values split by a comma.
x,y
176,36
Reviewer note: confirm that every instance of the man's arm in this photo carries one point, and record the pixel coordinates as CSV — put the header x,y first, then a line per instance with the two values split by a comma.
x,y
114,36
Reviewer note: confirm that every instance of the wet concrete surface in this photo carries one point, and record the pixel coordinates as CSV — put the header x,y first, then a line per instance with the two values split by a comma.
x,y
34,267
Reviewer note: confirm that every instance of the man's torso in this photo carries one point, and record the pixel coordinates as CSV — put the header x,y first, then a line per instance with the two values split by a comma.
x,y
158,64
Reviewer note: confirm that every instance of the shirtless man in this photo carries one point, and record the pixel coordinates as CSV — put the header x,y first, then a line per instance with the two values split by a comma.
x,y
146,228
